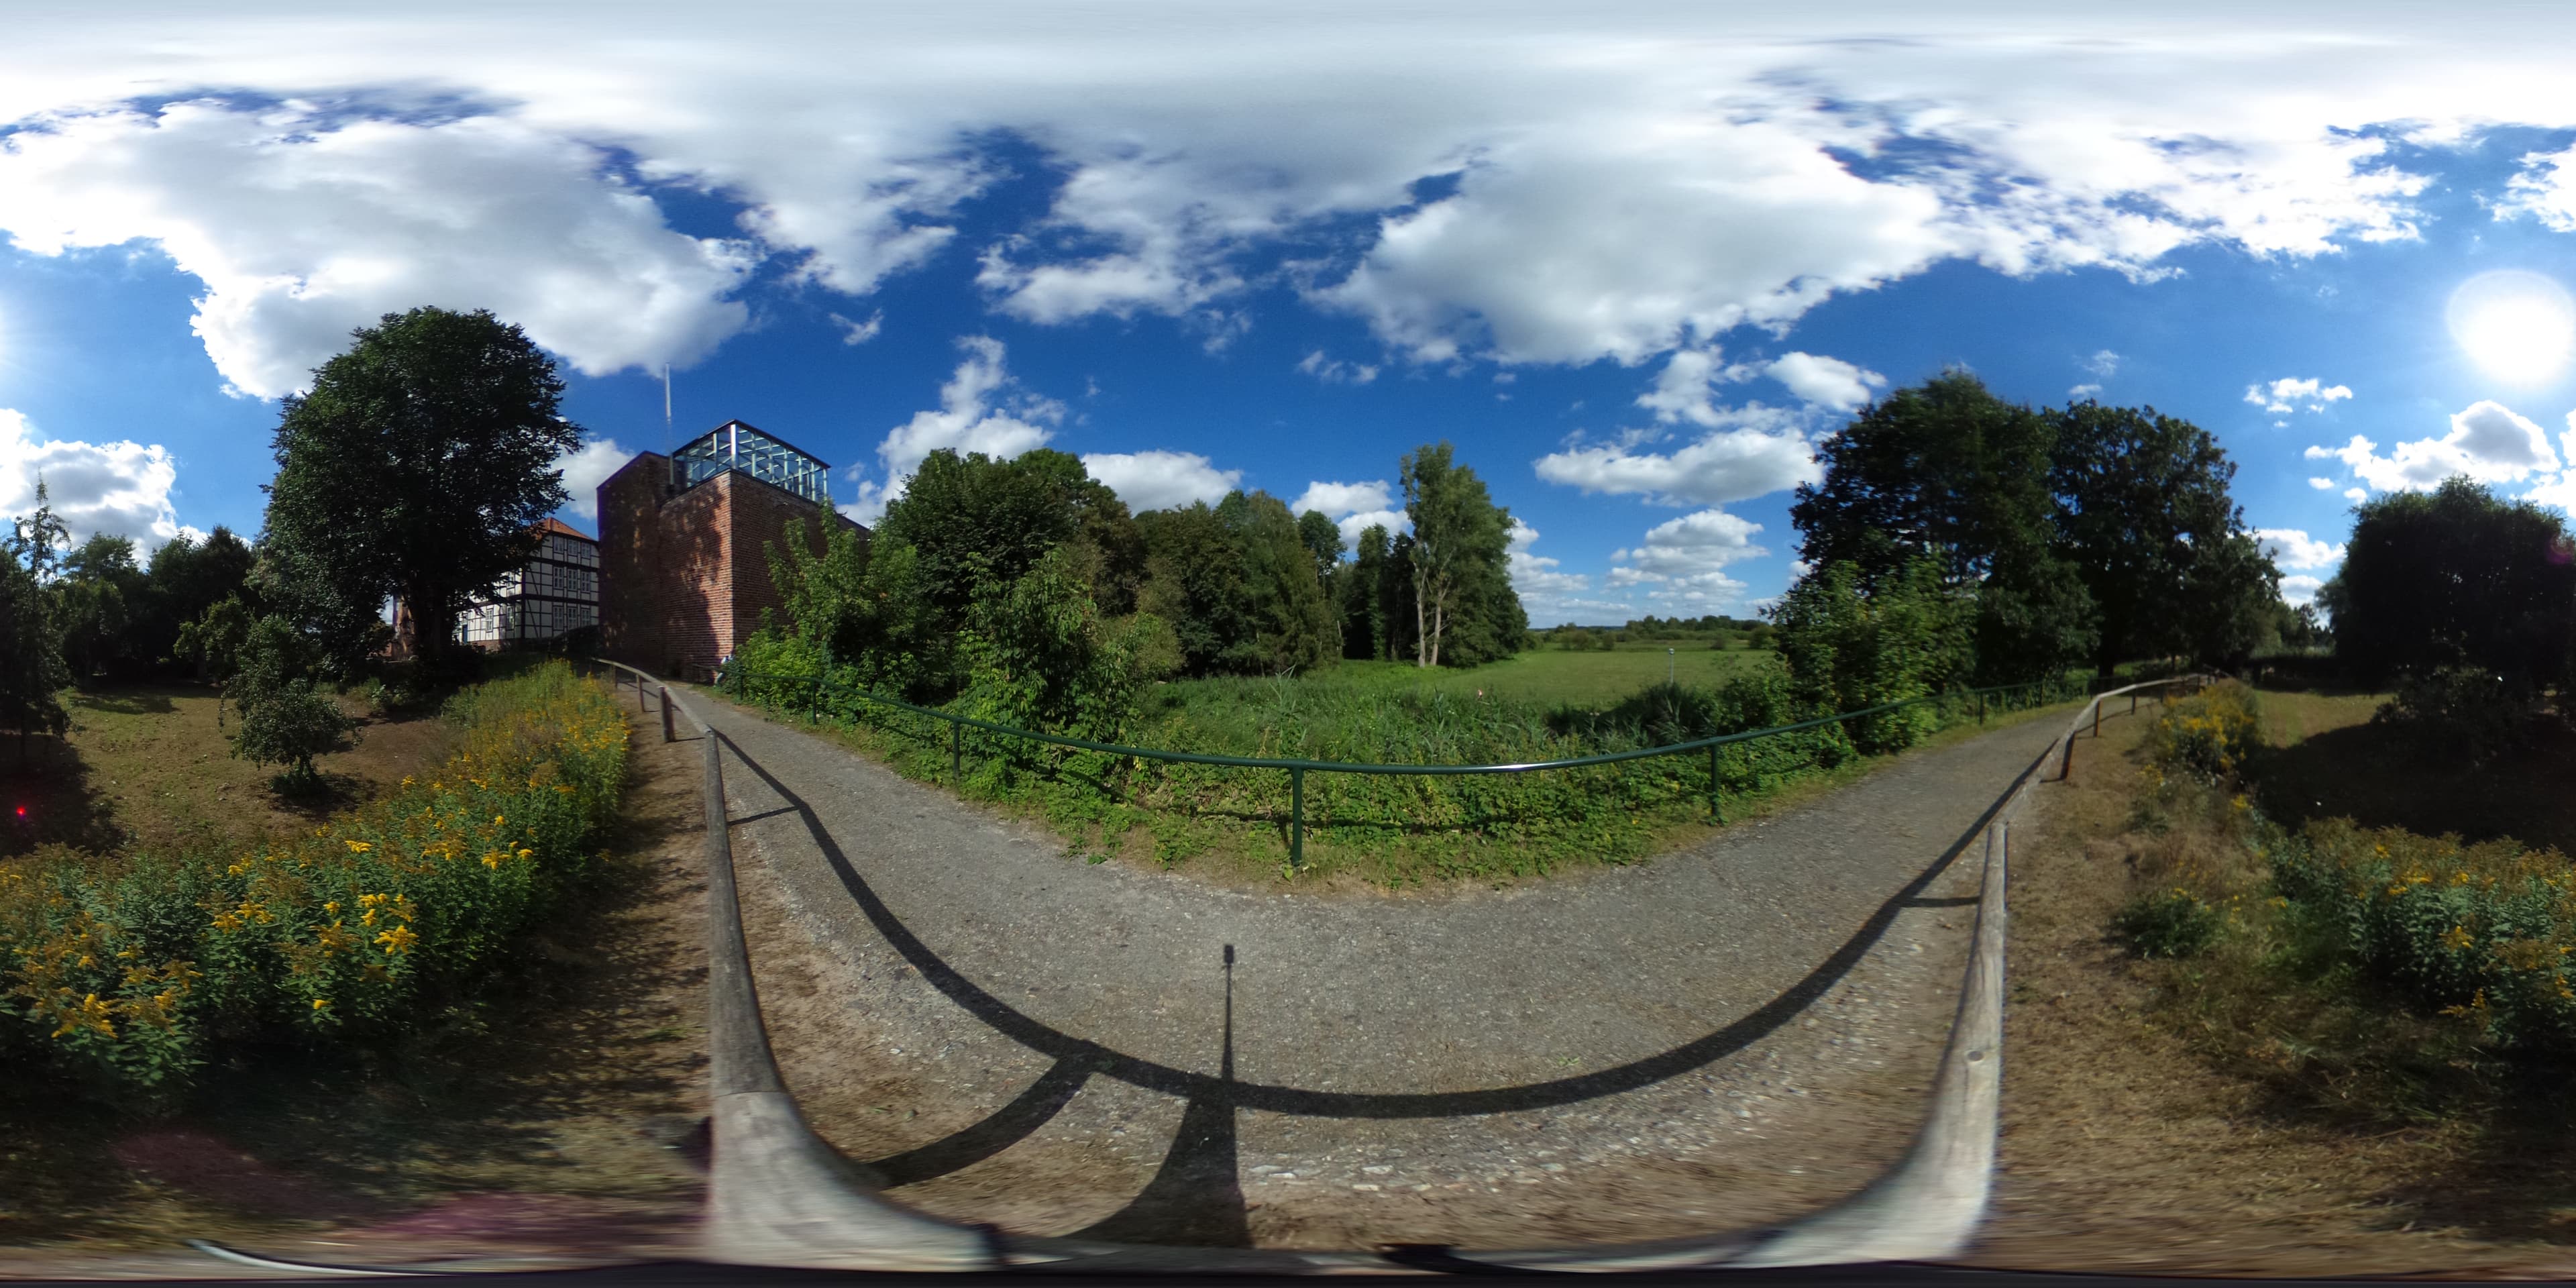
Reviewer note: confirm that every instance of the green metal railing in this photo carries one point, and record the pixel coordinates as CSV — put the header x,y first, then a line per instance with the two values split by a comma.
x,y
734,680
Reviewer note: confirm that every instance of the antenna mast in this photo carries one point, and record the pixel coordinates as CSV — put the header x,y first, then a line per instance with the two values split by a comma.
x,y
666,409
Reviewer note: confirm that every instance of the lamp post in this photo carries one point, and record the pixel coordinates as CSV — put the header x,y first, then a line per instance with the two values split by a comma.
x,y
1668,666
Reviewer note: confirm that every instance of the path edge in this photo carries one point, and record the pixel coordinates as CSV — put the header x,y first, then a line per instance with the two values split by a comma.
x,y
779,1195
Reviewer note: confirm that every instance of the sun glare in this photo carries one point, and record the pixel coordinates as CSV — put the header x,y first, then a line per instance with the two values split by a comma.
x,y
2516,326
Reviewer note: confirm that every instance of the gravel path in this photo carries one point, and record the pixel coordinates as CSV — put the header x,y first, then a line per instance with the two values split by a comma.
x,y
1723,1037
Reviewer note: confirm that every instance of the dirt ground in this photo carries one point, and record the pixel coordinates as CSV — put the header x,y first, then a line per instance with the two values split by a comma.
x,y
566,1130
2124,1151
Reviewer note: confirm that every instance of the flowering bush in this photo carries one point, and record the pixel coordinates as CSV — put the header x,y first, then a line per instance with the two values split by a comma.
x,y
124,969
2207,735
2478,931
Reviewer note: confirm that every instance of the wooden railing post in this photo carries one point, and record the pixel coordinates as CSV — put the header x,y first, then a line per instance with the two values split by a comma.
x,y
667,734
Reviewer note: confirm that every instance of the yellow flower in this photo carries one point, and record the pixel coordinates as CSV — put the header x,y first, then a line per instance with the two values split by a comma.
x,y
361,847
90,1014
398,940
320,1003
2457,939
496,820
331,906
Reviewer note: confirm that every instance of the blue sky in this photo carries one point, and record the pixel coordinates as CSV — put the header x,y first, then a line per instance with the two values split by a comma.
x,y
1632,264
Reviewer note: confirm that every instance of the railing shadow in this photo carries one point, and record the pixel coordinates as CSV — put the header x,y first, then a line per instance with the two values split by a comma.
x,y
1077,1055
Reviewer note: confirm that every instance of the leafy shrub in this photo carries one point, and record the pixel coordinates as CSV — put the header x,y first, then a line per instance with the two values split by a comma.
x,y
124,971
1850,648
2460,712
2206,736
2482,932
2168,923
290,726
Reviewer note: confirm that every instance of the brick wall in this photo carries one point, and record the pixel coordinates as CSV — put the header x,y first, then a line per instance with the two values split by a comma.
x,y
630,609
683,579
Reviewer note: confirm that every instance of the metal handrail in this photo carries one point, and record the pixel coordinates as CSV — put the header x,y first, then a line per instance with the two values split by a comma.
x,y
1297,768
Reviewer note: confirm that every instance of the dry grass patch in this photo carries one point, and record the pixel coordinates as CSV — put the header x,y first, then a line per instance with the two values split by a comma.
x,y
2211,1114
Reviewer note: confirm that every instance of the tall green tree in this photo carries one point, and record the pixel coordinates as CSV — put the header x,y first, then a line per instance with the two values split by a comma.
x,y
1945,469
820,568
31,659
1459,561
1396,610
95,602
185,578
1363,607
1948,471
1238,586
2144,514
415,467
2458,577
1323,540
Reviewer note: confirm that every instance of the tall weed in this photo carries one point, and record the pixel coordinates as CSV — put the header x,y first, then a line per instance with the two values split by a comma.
x,y
125,971
1395,828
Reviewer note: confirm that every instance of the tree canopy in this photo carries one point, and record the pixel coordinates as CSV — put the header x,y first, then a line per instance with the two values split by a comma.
x,y
2457,577
414,467
2145,516
1463,599
2089,533
31,656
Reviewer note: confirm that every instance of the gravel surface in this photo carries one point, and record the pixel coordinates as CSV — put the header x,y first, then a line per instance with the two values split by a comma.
x,y
1726,1036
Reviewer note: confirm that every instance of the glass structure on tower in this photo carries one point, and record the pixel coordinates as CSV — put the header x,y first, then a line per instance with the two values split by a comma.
x,y
734,445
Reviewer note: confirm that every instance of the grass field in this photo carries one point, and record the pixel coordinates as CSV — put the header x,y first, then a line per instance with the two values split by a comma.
x,y
147,767
1400,831
2325,759
1541,677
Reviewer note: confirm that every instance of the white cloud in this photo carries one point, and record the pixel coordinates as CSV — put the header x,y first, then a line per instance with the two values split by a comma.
x,y
1722,466
1681,390
1830,383
301,229
1333,371
121,488
2488,442
2103,364
2278,396
1160,480
2321,484
2084,391
2559,491
1544,591
2545,189
860,332
1353,507
1617,189
1681,560
2299,588
2293,548
2355,495
585,468
1352,525
981,409
1343,498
